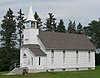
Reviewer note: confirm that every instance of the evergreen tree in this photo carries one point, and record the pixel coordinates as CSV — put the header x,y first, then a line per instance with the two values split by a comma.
x,y
54,26
79,29
70,30
8,53
50,23
93,32
20,26
61,27
39,22
8,30
71,27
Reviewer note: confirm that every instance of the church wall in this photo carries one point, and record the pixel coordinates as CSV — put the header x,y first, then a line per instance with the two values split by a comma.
x,y
32,61
92,63
41,45
30,36
40,64
58,61
28,59
72,61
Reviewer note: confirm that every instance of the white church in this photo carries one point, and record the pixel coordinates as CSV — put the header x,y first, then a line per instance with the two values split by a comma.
x,y
54,51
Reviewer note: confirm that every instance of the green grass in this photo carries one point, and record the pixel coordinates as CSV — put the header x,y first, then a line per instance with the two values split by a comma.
x,y
67,74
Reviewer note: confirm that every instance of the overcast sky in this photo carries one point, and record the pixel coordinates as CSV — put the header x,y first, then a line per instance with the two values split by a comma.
x,y
83,11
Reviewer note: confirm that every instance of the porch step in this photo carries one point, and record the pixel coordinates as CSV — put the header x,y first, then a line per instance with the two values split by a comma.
x,y
15,71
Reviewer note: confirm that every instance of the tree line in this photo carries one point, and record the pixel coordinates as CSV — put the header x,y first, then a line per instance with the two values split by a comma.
x,y
12,27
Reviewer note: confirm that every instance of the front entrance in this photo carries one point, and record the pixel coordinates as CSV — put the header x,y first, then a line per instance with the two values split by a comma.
x,y
25,61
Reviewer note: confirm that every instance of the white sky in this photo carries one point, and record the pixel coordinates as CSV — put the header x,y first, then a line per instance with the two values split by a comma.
x,y
83,11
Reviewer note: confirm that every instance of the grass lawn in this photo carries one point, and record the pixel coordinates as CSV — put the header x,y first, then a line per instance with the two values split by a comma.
x,y
67,74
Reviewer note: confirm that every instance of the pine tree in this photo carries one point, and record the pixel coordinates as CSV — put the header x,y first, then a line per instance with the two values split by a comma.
x,y
79,29
61,27
50,23
71,27
54,26
8,39
8,30
93,32
39,22
70,30
20,26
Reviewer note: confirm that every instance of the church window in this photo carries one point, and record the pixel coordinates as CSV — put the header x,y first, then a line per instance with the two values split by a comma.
x,y
89,56
52,56
32,60
63,56
39,60
52,70
24,55
77,57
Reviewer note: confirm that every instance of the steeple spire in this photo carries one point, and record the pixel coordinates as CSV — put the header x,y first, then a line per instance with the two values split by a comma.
x,y
31,15
30,19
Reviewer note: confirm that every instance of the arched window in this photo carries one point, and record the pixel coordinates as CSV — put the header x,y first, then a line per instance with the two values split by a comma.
x,y
77,56
89,56
52,56
63,56
24,55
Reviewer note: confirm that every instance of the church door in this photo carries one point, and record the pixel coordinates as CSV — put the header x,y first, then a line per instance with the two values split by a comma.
x,y
25,60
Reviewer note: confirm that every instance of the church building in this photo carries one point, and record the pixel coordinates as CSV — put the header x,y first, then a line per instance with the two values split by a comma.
x,y
54,51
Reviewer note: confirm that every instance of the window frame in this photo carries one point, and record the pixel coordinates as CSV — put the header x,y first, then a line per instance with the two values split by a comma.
x,y
52,56
77,56
64,56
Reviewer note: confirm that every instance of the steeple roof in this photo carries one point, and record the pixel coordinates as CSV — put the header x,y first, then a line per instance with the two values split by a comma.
x,y
30,15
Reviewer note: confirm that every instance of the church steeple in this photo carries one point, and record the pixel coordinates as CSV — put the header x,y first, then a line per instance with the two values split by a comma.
x,y
31,31
30,19
31,15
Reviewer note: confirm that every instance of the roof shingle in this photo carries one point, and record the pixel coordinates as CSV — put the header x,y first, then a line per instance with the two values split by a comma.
x,y
56,40
35,49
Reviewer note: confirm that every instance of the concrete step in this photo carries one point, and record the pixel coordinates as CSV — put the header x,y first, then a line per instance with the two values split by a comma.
x,y
16,71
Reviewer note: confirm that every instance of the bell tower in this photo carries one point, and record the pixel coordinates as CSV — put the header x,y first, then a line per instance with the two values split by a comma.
x,y
31,22
31,31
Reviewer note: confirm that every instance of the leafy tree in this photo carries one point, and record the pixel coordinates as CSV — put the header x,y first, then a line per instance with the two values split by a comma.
x,y
79,29
61,27
50,23
39,22
93,32
71,27
20,26
8,30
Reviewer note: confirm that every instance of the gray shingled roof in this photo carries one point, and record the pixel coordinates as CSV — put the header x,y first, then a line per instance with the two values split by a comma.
x,y
55,40
35,49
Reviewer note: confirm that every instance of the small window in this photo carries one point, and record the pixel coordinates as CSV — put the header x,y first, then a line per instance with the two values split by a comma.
x,y
24,55
39,60
77,57
63,56
52,70
89,56
32,60
52,56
